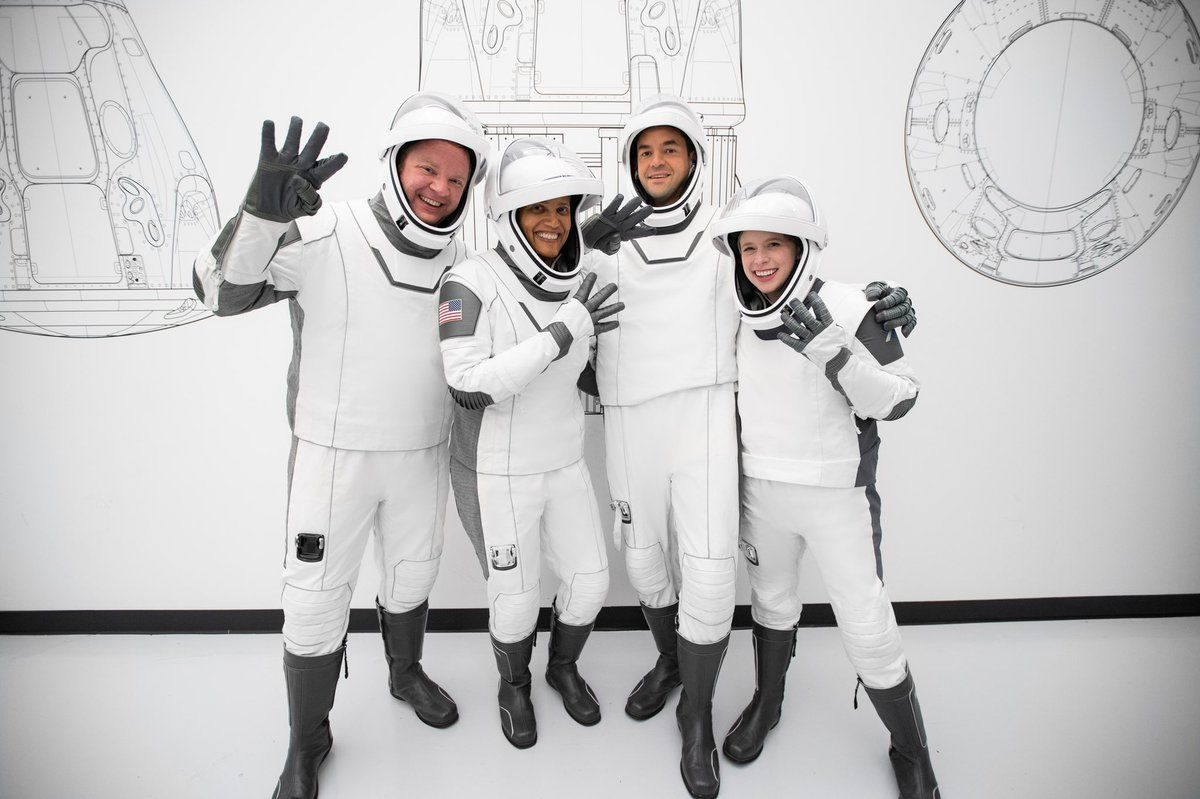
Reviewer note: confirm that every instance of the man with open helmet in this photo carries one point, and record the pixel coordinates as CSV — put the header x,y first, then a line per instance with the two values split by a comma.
x,y
515,326
809,448
670,424
367,398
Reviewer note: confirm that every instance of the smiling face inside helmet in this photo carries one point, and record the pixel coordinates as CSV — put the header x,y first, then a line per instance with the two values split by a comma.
x,y
433,153
434,175
535,197
546,226
775,235
664,159
766,260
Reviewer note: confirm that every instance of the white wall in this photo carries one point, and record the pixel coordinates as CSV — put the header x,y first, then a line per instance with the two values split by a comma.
x,y
1054,451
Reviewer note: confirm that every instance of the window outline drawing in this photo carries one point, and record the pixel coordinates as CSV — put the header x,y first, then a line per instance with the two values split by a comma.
x,y
135,222
1020,244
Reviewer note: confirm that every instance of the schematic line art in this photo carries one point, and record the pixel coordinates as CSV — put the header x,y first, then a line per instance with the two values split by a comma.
x,y
1047,139
104,200
572,70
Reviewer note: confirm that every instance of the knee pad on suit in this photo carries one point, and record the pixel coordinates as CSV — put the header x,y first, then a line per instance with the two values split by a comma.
x,y
411,582
647,568
872,642
514,616
580,599
706,598
314,621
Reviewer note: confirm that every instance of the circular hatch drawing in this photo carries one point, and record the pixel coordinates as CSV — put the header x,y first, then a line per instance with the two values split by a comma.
x,y
104,201
1047,139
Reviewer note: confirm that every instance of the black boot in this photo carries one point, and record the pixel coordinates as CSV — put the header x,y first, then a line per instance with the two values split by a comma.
x,y
773,651
651,693
403,639
311,682
517,721
562,674
698,668
901,714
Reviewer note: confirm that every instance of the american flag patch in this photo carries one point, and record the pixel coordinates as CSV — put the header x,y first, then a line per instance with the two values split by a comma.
x,y
450,311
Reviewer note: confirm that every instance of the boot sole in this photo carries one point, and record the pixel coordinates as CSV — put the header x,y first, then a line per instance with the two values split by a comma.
x,y
438,725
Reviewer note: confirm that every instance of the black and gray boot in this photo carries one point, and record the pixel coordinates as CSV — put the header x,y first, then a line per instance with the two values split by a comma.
x,y
517,721
311,683
699,665
650,695
773,652
901,714
403,642
562,673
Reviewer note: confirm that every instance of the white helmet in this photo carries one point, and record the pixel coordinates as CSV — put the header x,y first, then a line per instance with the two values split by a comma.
x,y
428,115
653,112
531,171
776,205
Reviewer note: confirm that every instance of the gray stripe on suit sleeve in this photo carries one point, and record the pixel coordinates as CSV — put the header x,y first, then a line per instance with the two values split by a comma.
x,y
875,504
562,337
835,365
465,483
293,376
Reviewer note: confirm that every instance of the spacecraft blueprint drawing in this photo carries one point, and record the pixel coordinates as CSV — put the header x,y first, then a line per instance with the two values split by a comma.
x,y
104,200
1047,139
572,70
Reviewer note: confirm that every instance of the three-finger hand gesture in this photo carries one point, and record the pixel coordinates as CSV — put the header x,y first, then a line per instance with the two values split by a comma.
x,y
286,181
616,223
594,303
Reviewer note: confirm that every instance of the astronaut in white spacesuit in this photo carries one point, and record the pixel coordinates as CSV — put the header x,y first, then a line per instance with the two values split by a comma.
x,y
515,326
670,422
367,398
809,446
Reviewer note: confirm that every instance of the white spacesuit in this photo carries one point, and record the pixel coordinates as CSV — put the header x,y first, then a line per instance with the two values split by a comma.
x,y
514,342
367,397
809,450
670,429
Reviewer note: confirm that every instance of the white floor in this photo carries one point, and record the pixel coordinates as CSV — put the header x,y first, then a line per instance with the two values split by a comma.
x,y
1050,709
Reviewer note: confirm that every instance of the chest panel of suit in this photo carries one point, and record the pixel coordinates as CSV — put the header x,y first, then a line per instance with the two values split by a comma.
x,y
370,367
540,429
795,426
677,330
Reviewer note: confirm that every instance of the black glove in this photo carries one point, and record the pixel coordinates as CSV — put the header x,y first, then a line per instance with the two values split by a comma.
x,y
594,303
285,184
892,306
615,224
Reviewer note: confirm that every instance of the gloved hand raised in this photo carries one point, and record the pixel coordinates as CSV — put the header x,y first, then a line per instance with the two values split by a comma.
x,y
285,184
616,223
892,306
812,333
595,303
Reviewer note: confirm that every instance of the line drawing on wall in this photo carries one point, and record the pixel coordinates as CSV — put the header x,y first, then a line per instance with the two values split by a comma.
x,y
573,70
104,200
1047,139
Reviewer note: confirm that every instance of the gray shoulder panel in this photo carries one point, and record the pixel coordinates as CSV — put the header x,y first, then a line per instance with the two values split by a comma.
x,y
458,311
883,345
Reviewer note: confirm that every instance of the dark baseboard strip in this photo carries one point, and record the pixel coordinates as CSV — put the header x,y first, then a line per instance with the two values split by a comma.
x,y
969,611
